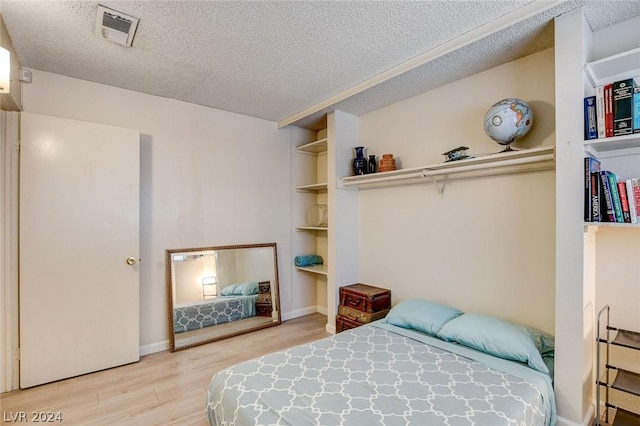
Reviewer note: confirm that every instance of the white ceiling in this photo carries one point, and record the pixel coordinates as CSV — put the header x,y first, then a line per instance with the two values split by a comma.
x,y
290,61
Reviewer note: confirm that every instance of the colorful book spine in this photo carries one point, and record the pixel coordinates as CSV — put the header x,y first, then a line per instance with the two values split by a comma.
x,y
624,201
600,112
623,107
590,121
595,197
635,193
636,110
591,168
607,208
608,110
615,196
632,204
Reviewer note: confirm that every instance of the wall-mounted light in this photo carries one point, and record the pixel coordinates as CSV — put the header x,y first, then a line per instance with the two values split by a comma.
x,y
5,70
209,287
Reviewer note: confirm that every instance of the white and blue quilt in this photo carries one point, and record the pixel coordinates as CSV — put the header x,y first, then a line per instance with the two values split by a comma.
x,y
380,374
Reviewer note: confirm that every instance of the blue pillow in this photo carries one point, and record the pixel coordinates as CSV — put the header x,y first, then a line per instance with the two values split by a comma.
x,y
496,337
422,315
228,290
246,288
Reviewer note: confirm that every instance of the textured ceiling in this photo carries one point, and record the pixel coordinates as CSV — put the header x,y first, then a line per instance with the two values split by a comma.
x,y
274,59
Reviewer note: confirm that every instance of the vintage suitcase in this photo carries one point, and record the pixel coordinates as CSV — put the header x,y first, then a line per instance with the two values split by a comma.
x,y
365,298
264,309
343,323
359,316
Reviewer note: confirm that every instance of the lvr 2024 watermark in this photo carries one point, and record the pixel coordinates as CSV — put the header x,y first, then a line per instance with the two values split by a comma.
x,y
32,417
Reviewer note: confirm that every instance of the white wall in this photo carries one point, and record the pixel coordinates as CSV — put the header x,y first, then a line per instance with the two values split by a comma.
x,y
208,177
488,245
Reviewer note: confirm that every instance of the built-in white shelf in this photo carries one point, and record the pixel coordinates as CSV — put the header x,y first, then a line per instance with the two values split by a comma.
x,y
314,187
311,228
316,269
525,160
613,68
613,147
611,225
315,147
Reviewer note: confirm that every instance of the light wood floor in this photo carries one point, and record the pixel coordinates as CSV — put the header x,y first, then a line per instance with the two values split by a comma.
x,y
163,388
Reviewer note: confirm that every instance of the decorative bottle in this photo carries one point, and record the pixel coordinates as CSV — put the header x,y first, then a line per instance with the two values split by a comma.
x,y
372,164
359,163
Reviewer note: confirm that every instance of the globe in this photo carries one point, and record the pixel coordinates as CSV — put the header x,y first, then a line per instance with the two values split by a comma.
x,y
507,121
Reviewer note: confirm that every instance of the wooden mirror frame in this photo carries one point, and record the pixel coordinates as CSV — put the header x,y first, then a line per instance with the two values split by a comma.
x,y
274,291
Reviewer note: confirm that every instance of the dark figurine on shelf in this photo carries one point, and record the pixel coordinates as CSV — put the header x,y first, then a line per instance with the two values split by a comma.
x,y
459,153
373,165
359,163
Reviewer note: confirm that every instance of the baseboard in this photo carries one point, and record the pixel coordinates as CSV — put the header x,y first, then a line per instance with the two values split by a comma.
x,y
154,347
164,345
302,312
587,421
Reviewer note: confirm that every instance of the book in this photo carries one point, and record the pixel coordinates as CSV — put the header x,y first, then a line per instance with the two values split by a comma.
x,y
606,207
590,126
636,110
633,192
623,107
596,197
632,205
591,168
633,213
600,112
615,196
608,110
624,201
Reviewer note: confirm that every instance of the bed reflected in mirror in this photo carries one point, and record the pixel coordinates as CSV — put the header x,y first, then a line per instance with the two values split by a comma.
x,y
219,292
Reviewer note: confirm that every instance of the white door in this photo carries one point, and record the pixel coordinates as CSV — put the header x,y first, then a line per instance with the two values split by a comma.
x,y
79,217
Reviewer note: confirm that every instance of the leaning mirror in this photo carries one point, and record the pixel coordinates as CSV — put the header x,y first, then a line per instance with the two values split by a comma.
x,y
219,292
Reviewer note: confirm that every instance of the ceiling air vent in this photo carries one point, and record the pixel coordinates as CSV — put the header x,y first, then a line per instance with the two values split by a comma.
x,y
115,26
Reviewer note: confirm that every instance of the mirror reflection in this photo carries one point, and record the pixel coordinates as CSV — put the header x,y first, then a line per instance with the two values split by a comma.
x,y
219,292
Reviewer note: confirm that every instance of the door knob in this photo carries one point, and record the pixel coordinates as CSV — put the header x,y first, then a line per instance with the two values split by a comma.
x,y
131,260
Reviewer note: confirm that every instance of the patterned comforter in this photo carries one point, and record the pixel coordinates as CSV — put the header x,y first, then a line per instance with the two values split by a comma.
x,y
192,316
380,375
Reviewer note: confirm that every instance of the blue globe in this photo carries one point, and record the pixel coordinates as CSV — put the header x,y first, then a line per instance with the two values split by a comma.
x,y
508,120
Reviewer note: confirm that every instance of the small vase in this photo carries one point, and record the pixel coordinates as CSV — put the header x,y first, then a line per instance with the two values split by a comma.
x,y
317,215
359,163
372,164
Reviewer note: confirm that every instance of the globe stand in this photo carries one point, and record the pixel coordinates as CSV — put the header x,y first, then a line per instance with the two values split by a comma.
x,y
507,149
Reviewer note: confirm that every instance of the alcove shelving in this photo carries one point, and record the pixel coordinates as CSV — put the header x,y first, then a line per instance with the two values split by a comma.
x,y
525,160
312,157
617,153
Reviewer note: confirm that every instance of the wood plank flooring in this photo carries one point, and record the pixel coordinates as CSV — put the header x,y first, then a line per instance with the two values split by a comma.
x,y
163,388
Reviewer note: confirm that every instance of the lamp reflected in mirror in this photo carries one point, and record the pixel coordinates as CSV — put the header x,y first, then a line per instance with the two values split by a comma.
x,y
209,287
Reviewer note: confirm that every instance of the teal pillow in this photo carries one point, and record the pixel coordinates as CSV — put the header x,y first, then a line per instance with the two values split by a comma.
x,y
246,288
228,290
422,315
496,337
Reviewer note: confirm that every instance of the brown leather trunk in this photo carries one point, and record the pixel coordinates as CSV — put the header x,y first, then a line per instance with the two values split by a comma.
x,y
365,298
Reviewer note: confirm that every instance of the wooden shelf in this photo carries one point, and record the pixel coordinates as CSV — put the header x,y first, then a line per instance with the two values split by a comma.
x,y
315,147
526,160
615,146
314,187
613,68
311,228
315,269
611,225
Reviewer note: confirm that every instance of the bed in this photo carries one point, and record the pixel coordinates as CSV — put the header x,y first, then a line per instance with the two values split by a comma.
x,y
204,313
409,368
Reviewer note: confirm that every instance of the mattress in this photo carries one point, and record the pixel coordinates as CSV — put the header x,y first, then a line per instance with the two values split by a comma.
x,y
205,313
379,374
